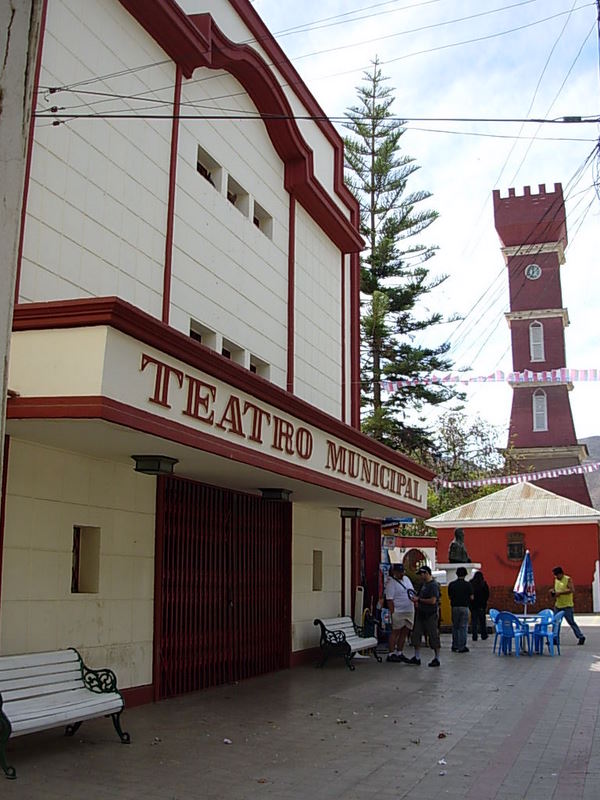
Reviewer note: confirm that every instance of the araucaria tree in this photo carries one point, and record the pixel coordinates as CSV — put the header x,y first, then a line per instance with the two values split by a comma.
x,y
394,275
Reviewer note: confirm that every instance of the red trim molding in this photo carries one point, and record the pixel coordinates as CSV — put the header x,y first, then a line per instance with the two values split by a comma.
x,y
94,407
343,336
301,657
128,319
291,298
29,154
138,695
196,41
166,301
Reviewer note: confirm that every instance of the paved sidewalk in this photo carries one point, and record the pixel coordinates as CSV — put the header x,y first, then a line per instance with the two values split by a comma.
x,y
506,728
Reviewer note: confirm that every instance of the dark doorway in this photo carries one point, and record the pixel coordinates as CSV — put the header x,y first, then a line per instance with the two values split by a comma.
x,y
223,586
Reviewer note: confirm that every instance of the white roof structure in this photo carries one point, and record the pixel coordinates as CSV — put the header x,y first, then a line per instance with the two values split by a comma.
x,y
522,504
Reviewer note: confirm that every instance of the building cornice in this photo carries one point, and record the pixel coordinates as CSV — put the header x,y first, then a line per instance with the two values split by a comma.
x,y
578,451
126,318
538,313
533,250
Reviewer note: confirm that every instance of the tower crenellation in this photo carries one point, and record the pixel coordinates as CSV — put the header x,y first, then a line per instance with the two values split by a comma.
x,y
531,218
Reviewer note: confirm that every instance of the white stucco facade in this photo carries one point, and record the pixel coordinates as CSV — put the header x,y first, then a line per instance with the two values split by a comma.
x,y
186,289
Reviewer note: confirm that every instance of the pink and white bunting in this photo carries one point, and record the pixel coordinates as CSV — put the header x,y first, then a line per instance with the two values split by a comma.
x,y
581,469
563,375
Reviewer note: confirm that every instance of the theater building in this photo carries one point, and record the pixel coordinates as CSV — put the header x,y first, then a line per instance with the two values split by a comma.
x,y
185,477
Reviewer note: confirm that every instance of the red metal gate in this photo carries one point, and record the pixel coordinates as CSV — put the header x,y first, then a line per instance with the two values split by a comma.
x,y
223,586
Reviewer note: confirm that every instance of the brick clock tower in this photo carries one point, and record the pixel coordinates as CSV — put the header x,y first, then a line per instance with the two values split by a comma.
x,y
533,232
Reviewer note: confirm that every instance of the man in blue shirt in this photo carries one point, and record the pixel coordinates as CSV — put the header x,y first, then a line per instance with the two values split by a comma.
x,y
426,617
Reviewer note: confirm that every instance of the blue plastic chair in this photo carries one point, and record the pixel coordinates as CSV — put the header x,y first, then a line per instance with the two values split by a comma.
x,y
511,629
542,625
550,634
493,612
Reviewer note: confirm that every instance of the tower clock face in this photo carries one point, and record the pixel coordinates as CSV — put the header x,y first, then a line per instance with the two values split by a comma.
x,y
533,271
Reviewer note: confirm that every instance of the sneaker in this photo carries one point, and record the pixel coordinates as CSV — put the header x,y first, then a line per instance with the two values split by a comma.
x,y
394,657
434,663
454,649
581,640
403,658
414,660
463,650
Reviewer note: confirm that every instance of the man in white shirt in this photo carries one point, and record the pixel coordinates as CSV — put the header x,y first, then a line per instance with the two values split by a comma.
x,y
399,592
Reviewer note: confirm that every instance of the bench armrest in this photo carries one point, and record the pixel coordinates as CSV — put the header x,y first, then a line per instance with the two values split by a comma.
x,y
99,680
330,637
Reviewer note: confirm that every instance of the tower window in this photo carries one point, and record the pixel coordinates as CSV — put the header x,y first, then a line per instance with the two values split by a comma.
x,y
540,410
536,342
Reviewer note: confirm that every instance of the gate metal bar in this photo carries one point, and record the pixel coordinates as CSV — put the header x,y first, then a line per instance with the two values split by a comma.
x,y
223,586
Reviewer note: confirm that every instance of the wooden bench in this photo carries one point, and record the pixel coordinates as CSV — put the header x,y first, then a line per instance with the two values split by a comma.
x,y
341,637
46,690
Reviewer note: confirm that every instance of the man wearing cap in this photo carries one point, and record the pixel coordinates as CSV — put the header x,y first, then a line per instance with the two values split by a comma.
x,y
461,595
426,617
398,593
563,600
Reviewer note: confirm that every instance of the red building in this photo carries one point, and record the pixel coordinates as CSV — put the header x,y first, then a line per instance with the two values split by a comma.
x,y
501,526
533,231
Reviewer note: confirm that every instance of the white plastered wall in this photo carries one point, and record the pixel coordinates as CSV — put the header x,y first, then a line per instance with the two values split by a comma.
x,y
226,18
318,317
97,203
48,492
227,273
314,529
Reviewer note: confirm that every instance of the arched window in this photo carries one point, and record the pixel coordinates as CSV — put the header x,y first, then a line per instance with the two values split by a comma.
x,y
540,410
536,341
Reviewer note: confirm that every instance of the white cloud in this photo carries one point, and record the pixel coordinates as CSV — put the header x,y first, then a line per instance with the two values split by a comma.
x,y
495,77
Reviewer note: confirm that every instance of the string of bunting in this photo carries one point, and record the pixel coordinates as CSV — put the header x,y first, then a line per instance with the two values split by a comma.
x,y
563,375
592,466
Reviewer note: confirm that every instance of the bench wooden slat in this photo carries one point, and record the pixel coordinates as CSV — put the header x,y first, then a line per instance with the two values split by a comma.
x,y
38,672
34,659
22,693
346,641
45,690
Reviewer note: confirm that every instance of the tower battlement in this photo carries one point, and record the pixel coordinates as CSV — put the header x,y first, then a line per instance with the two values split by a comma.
x,y
531,218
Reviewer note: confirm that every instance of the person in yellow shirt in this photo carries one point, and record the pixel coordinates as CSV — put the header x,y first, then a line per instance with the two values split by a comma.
x,y
563,600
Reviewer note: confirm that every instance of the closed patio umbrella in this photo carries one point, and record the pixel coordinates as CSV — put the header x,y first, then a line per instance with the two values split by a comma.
x,y
524,588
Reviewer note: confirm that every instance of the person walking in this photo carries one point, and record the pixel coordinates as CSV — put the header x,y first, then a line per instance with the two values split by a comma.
x,y
563,600
478,605
399,591
426,617
461,596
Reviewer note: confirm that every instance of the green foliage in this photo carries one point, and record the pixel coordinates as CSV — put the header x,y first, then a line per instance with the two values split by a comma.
x,y
394,275
464,449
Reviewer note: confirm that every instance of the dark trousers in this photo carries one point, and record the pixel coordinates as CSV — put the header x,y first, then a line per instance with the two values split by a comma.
x,y
478,623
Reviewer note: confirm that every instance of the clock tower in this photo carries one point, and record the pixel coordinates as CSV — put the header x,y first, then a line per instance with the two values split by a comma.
x,y
533,232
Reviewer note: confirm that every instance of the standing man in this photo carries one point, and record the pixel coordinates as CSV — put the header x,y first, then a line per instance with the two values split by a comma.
x,y
461,596
399,591
563,600
426,617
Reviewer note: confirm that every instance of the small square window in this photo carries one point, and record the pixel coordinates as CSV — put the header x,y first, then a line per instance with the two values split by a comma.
x,y
262,220
238,196
317,571
200,333
516,546
85,564
210,169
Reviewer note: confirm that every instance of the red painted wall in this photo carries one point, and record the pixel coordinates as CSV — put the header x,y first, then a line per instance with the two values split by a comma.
x,y
554,344
561,430
575,547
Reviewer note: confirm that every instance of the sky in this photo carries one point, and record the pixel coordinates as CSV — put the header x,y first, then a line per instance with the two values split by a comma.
x,y
490,60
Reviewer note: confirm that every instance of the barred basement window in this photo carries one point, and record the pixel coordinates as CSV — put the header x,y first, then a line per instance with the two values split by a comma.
x,y
516,546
